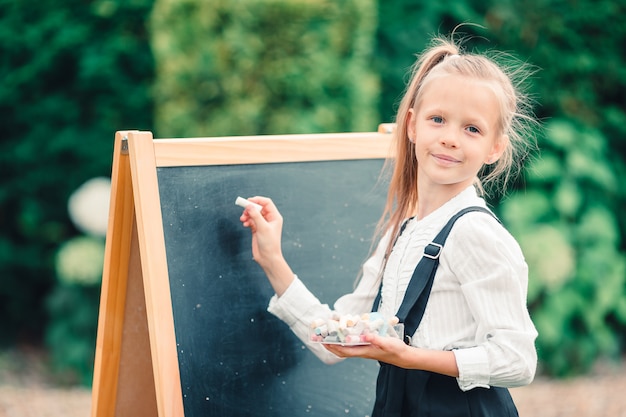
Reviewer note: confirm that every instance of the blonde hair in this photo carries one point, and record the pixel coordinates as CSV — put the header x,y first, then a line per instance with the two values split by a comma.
x,y
444,57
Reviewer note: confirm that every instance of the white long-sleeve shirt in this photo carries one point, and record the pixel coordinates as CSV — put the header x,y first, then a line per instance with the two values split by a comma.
x,y
477,305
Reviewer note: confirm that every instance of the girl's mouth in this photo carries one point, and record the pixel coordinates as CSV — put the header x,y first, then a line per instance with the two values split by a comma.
x,y
446,159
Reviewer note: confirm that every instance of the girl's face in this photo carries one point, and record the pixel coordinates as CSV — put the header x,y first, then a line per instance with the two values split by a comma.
x,y
455,130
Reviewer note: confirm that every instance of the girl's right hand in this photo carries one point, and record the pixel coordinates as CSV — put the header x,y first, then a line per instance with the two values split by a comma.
x,y
266,226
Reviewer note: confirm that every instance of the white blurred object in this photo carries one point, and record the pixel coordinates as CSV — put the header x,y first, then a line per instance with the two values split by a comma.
x,y
80,260
88,206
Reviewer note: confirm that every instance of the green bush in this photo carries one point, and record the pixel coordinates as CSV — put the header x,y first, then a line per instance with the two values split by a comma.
x,y
73,309
72,73
581,318
257,66
571,239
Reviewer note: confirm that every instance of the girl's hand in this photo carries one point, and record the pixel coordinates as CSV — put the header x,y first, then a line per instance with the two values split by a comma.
x,y
385,349
266,226
395,352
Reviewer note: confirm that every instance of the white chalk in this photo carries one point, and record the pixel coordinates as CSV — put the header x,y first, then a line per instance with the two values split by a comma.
x,y
242,202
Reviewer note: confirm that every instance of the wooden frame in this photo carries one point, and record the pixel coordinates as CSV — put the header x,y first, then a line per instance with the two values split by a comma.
x,y
136,365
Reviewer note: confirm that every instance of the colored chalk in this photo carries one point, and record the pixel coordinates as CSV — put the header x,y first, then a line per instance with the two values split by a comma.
x,y
351,329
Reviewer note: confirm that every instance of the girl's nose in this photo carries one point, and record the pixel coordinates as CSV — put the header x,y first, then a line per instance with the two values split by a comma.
x,y
449,139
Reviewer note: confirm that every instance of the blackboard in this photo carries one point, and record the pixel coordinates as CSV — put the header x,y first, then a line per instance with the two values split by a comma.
x,y
183,328
235,358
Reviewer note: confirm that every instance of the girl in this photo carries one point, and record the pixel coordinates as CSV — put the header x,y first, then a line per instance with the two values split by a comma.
x,y
459,127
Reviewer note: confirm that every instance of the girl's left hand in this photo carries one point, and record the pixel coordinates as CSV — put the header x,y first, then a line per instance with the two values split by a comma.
x,y
384,349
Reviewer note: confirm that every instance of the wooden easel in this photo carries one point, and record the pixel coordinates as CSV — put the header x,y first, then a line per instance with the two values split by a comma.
x,y
136,370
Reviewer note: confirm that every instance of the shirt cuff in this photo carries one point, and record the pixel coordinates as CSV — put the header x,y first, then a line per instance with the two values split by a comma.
x,y
292,305
473,365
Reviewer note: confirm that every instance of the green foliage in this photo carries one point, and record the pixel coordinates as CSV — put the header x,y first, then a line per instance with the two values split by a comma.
x,y
571,238
71,333
73,310
257,66
72,73
582,154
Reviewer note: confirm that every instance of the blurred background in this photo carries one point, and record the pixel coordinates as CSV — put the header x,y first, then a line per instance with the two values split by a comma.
x,y
74,71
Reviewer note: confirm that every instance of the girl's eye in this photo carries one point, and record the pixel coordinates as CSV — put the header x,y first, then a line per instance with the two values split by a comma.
x,y
473,129
437,119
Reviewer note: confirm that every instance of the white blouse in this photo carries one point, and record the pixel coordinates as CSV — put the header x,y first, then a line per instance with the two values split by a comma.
x,y
477,305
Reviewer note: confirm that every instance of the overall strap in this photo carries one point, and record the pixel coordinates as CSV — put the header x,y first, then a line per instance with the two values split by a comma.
x,y
415,299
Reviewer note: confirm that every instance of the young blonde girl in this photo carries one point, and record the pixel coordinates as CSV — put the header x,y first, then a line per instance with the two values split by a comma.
x,y
460,127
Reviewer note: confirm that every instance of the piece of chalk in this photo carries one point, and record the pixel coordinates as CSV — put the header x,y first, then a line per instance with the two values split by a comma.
x,y
242,202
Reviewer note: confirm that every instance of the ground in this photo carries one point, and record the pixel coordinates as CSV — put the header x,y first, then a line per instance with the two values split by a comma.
x,y
26,390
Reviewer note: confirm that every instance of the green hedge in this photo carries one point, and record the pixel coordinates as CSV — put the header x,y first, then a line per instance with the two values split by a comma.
x,y
72,73
264,66
573,190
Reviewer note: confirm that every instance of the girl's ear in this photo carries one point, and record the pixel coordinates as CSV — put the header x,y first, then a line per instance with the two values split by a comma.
x,y
497,150
410,124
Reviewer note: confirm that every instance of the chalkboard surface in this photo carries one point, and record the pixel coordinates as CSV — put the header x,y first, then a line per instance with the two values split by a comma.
x,y
235,358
